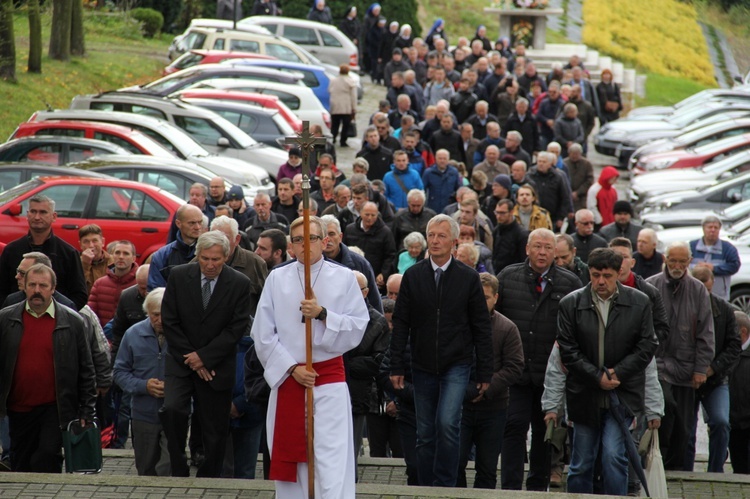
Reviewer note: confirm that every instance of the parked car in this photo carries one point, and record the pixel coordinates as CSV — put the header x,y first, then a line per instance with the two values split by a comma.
x,y
615,132
265,101
196,34
696,98
326,42
132,140
55,150
264,125
717,196
699,134
253,179
314,77
13,174
124,210
661,182
208,38
211,130
190,76
661,220
196,57
174,176
299,99
693,157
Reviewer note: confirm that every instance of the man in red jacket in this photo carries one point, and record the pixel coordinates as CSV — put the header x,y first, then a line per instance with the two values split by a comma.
x,y
105,293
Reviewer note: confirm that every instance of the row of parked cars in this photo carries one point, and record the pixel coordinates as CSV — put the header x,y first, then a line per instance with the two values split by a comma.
x,y
126,159
686,161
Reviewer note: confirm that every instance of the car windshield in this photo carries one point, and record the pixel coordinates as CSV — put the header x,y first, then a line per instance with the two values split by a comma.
x,y
163,85
682,119
726,164
19,190
188,60
712,147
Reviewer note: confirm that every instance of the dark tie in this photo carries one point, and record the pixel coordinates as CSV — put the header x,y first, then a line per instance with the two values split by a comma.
x,y
438,274
539,288
206,292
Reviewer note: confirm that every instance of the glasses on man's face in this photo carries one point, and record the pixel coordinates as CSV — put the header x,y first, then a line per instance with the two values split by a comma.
x,y
585,223
501,212
301,239
20,272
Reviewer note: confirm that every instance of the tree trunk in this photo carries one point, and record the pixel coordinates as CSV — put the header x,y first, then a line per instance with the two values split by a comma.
x,y
7,42
59,40
35,37
77,45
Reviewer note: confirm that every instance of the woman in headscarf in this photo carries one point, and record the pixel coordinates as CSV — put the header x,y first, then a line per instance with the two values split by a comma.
x,y
386,46
437,30
371,20
404,38
481,35
350,25
320,12
374,40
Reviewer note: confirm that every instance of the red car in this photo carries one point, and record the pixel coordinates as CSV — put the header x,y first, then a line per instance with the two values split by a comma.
x,y
693,157
133,140
123,209
263,100
195,57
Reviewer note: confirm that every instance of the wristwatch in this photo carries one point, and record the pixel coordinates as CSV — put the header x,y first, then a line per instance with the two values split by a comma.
x,y
323,314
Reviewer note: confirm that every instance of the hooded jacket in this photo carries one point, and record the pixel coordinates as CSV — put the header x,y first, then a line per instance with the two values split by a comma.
x,y
602,197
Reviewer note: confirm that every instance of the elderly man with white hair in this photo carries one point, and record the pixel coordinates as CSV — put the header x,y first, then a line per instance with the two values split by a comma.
x,y
719,256
648,261
683,359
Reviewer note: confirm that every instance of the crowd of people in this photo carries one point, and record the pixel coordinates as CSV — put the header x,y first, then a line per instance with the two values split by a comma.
x,y
470,280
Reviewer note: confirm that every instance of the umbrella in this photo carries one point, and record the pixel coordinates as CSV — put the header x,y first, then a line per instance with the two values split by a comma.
x,y
620,413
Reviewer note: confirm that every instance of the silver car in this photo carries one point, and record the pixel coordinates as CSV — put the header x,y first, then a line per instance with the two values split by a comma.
x,y
208,128
252,178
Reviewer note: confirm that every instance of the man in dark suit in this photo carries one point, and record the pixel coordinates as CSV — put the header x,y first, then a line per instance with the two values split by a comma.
x,y
205,312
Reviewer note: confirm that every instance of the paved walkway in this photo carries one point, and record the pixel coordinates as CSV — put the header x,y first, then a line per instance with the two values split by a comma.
x,y
380,478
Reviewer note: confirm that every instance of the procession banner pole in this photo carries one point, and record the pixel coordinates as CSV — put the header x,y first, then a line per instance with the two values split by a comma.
x,y
306,141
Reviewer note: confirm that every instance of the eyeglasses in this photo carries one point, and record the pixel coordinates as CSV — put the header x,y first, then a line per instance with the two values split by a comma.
x,y
501,212
585,223
20,272
300,239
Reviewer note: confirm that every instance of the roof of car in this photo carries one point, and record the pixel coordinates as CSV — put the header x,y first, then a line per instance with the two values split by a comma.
x,y
64,171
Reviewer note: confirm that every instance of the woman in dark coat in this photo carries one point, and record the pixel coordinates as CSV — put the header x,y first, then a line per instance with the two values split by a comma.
x,y
404,38
481,35
371,20
350,26
374,39
610,101
437,30
386,46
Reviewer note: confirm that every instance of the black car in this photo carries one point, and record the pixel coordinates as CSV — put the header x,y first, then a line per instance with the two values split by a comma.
x,y
264,125
55,149
13,174
190,76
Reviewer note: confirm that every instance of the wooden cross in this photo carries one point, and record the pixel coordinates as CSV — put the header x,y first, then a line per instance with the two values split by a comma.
x,y
307,142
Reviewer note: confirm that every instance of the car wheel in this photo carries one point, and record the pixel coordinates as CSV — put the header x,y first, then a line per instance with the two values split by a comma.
x,y
740,298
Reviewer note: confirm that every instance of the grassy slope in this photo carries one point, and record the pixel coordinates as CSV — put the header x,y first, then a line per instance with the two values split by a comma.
x,y
116,57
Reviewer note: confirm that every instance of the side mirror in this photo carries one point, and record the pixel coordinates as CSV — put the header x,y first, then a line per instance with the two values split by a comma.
x,y
15,210
223,142
736,197
738,79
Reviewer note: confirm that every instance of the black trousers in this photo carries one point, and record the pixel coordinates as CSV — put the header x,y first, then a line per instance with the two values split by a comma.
x,y
213,413
382,433
674,432
343,121
36,440
739,450
524,409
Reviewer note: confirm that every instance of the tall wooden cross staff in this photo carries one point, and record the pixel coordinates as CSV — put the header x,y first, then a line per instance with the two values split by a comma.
x,y
307,142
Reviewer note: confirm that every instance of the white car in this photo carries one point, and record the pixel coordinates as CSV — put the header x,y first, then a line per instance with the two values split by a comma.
x,y
300,99
253,179
326,42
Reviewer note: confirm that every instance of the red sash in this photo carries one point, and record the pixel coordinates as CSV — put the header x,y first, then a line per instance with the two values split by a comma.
x,y
289,435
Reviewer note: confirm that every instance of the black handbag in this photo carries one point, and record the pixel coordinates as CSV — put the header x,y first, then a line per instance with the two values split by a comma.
x,y
351,130
83,447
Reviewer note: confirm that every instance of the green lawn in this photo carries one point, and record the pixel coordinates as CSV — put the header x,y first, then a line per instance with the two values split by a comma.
x,y
664,90
116,56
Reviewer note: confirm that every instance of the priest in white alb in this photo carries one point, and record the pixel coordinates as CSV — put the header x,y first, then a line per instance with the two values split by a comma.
x,y
340,318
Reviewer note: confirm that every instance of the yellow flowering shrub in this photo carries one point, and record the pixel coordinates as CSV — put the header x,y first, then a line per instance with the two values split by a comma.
x,y
660,36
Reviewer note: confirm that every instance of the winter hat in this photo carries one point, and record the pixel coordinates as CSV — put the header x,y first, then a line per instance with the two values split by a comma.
x,y
503,180
235,193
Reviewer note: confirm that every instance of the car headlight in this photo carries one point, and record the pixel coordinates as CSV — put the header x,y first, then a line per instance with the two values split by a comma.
x,y
252,180
615,134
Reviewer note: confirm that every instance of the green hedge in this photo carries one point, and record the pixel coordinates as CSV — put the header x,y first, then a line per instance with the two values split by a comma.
x,y
151,20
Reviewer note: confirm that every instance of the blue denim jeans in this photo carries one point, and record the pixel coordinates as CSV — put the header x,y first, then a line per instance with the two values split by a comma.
x,y
586,441
438,400
483,428
716,414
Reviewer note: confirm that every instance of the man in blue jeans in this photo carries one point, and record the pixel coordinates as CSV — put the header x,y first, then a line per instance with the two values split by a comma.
x,y
441,312
714,394
606,339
